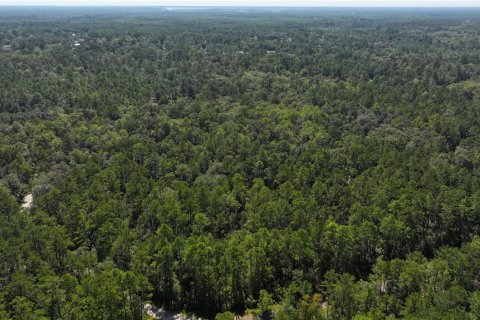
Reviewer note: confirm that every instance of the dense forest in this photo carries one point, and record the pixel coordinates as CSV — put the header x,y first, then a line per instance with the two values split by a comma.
x,y
302,164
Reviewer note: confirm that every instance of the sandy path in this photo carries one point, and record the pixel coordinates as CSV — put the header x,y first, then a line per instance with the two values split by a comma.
x,y
162,314
27,201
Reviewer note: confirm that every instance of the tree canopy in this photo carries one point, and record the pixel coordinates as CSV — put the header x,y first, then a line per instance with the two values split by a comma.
x,y
291,165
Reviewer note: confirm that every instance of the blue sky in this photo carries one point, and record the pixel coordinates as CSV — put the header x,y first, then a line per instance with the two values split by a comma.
x,y
296,3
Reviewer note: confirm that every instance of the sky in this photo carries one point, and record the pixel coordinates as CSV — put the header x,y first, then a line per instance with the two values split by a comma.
x,y
275,3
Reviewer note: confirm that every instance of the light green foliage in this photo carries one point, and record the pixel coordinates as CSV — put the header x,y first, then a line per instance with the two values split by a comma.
x,y
227,315
174,161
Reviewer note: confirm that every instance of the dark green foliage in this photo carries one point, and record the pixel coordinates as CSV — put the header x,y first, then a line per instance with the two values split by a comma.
x,y
305,165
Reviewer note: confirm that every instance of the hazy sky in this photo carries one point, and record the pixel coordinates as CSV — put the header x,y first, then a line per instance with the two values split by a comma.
x,y
297,3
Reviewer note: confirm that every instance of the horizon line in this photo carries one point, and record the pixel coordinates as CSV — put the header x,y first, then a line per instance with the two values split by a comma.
x,y
235,6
